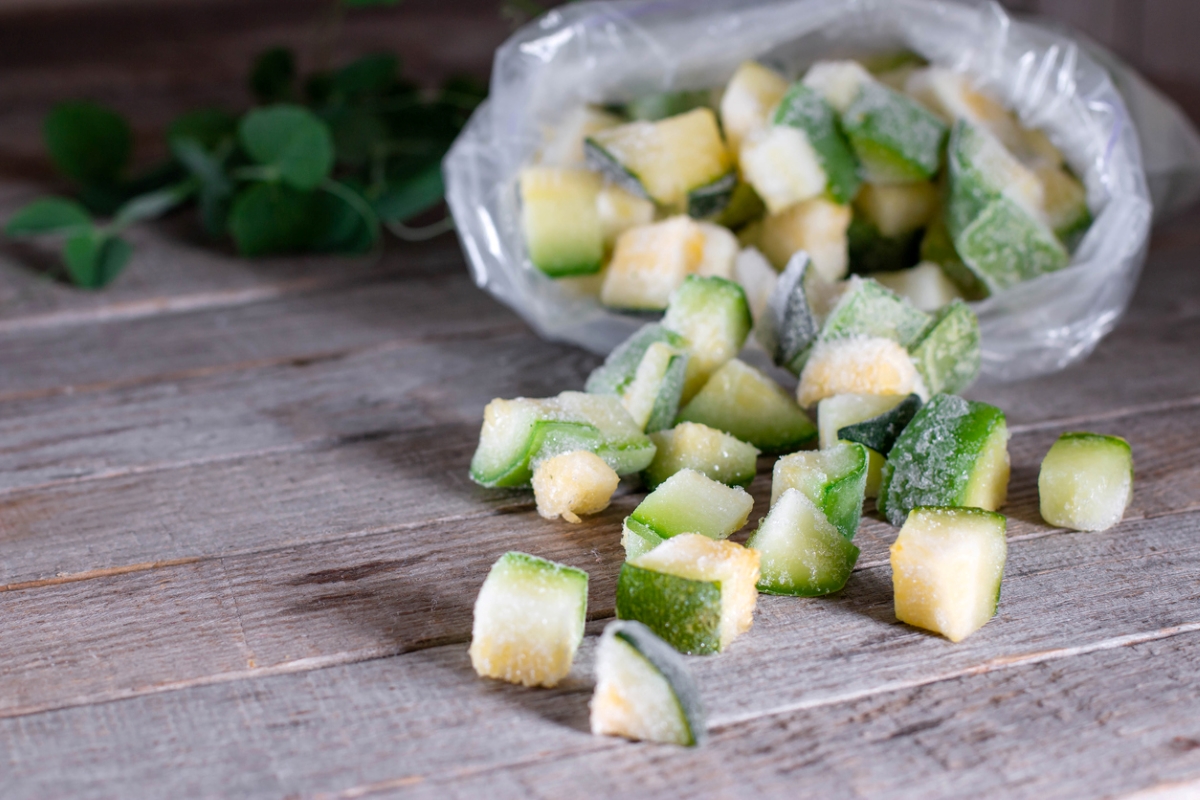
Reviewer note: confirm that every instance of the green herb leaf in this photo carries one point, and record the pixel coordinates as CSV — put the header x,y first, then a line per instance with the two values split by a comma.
x,y
87,142
272,80
216,190
48,215
292,140
154,204
402,201
343,221
271,218
210,127
370,75
94,258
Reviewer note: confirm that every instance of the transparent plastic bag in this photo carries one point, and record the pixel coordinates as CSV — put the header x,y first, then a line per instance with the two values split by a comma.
x,y
603,52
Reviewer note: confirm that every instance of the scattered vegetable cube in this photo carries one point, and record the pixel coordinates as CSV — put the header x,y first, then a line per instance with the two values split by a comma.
x,y
751,94
834,479
651,261
801,552
687,502
714,318
947,353
806,110
646,372
571,484
861,365
1086,481
560,221
691,445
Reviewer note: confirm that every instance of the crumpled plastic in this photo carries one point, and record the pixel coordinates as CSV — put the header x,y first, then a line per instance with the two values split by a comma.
x,y
1092,107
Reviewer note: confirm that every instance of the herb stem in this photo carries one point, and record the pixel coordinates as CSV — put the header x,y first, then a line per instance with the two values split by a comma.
x,y
423,233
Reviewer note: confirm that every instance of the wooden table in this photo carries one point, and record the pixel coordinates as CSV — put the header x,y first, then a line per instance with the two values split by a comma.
x,y
239,551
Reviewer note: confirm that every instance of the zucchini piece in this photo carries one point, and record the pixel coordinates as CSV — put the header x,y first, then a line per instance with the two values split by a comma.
x,y
564,143
873,253
895,138
744,207
801,552
571,484
953,453
1064,201
653,107
696,593
898,210
834,480
880,432
651,261
938,248
838,82
687,502
665,160
805,109
690,445
789,325
516,433
559,220
745,403
619,211
1086,481
843,410
925,286
646,372
757,278
783,167
752,92
994,213
947,565
859,365
868,309
720,252
947,354
528,620
712,315
711,199
816,226
643,689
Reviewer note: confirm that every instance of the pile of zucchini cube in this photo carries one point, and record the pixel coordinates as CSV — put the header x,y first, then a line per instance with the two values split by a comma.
x,y
840,171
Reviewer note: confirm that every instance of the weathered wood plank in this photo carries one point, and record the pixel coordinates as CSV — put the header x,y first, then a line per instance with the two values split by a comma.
x,y
424,716
1101,724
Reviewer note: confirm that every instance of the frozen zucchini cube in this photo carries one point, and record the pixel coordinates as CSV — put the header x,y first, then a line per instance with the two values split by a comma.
x,y
801,553
858,365
953,453
866,308
806,110
1086,481
651,261
690,445
687,502
837,82
947,353
745,206
818,227
782,166
896,139
517,433
879,416
619,211
571,484
564,143
790,321
834,479
720,252
947,564
752,92
646,371
697,593
559,220
643,689
528,620
749,405
925,286
664,161
713,317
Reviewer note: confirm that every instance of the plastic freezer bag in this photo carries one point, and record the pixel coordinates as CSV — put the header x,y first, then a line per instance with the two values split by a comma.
x,y
605,52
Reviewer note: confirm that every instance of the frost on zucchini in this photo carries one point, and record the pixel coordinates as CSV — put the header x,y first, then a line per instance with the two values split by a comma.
x,y
834,479
1086,481
953,453
560,221
791,317
867,309
801,552
804,109
518,433
879,431
947,353
859,365
750,406
818,227
713,317
838,416
696,593
651,261
572,484
994,213
783,167
687,502
643,689
646,372
564,143
665,161
690,445
752,92
528,620
947,564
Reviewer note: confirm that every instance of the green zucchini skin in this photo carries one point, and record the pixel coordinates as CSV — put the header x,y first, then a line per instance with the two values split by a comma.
x,y
671,666
619,369
948,353
895,138
789,325
803,108
871,251
598,159
880,433
691,617
712,199
803,555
